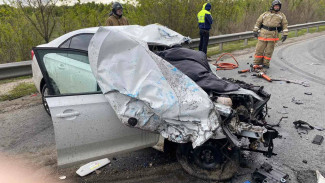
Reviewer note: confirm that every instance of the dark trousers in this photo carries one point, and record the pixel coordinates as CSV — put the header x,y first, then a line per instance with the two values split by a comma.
x,y
204,40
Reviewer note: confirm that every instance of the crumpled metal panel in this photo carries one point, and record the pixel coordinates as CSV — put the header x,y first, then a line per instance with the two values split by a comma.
x,y
152,34
139,84
243,91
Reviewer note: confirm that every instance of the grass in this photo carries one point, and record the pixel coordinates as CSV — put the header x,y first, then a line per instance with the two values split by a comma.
x,y
20,90
239,45
14,79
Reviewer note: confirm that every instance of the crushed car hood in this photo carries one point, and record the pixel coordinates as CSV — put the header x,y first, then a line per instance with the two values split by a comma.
x,y
152,34
146,91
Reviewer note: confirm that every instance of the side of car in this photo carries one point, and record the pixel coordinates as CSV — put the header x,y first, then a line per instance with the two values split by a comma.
x,y
76,40
85,125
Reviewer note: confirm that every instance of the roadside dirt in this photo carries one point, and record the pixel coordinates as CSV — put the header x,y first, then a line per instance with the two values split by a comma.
x,y
24,102
5,88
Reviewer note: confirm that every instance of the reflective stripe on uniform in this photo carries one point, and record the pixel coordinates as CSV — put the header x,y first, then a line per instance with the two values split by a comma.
x,y
268,39
267,58
257,56
201,14
265,15
279,16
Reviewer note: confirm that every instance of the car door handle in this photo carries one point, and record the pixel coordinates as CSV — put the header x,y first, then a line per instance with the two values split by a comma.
x,y
67,115
61,66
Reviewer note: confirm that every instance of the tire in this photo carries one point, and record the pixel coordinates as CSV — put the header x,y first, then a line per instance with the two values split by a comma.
x,y
45,93
211,161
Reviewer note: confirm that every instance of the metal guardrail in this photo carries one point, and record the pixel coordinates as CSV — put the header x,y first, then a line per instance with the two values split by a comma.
x,y
24,68
249,34
15,69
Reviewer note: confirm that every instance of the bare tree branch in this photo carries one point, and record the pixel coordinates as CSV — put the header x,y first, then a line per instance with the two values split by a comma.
x,y
41,16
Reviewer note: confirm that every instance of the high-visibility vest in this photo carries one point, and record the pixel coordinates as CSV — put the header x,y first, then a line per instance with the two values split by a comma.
x,y
201,14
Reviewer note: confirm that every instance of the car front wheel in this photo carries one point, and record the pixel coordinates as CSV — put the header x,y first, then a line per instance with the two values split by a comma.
x,y
214,160
45,92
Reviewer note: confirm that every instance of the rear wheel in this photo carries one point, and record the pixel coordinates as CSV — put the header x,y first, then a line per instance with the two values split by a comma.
x,y
45,92
211,161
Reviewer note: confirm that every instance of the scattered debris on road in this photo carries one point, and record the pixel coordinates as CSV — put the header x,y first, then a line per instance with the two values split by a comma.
x,y
278,124
320,178
308,93
300,123
302,127
318,139
319,128
92,166
280,120
304,161
303,83
298,102
63,177
266,173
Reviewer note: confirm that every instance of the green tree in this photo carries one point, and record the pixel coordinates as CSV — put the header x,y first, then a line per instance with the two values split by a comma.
x,y
41,14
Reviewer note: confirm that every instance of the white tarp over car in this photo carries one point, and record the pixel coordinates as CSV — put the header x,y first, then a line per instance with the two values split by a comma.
x,y
153,34
139,84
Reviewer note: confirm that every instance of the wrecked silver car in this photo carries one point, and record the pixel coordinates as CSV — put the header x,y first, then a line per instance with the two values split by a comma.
x,y
136,82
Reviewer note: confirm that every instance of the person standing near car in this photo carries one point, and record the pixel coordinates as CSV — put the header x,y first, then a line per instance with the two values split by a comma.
x,y
116,17
205,20
269,24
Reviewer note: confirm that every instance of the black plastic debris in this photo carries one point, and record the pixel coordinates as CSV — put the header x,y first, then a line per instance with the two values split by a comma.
x,y
308,93
319,128
278,124
267,173
302,124
298,102
318,140
302,127
304,161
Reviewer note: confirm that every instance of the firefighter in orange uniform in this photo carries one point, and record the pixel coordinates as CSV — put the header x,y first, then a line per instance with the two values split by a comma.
x,y
267,28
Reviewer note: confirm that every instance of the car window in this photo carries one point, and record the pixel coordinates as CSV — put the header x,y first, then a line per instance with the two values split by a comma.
x,y
68,72
81,41
66,44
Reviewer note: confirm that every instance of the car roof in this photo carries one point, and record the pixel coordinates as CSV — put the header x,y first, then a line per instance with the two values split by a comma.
x,y
58,41
152,34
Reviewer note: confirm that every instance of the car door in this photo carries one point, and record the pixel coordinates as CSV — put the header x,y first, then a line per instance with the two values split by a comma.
x,y
85,125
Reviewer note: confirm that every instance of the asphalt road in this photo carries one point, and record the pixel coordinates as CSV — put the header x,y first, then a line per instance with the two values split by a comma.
x,y
27,132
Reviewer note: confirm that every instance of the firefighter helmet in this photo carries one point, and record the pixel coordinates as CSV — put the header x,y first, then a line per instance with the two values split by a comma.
x,y
276,2
116,6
